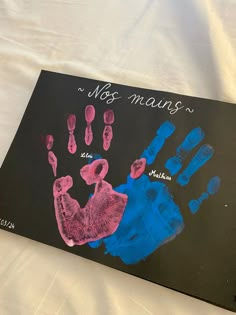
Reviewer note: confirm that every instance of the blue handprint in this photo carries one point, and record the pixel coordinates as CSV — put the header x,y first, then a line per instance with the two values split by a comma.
x,y
151,217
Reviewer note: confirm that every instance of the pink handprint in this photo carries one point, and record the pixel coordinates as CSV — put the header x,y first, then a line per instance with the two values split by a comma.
x,y
104,210
101,215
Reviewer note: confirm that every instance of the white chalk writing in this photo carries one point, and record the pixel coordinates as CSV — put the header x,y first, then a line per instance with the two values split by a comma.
x,y
86,155
104,94
7,224
107,94
159,175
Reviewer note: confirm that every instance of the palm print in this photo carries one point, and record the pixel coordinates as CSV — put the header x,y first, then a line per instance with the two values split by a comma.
x,y
137,217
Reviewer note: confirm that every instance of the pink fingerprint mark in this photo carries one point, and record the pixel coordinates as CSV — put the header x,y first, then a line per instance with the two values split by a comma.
x,y
52,159
71,122
108,118
94,172
89,117
137,168
49,141
101,215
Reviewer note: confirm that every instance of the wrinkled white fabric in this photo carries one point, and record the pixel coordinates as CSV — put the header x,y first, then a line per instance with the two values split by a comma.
x,y
187,47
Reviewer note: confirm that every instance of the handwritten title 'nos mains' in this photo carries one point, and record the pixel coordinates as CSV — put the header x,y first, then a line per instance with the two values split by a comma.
x,y
108,95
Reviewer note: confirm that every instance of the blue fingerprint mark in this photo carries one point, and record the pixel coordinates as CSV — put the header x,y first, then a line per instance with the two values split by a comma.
x,y
200,158
164,132
213,187
174,164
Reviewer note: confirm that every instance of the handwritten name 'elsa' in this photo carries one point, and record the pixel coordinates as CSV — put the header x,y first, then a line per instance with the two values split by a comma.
x,y
159,175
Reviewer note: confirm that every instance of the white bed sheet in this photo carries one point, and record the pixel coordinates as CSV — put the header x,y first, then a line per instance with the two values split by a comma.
x,y
183,46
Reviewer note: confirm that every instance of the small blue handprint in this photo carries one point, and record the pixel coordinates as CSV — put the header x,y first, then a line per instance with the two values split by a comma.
x,y
151,217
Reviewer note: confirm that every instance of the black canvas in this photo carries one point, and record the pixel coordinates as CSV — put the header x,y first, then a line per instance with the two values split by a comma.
x,y
157,198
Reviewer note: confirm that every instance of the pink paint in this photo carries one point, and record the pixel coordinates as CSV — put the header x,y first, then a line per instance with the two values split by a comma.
x,y
88,138
108,117
52,160
49,141
89,113
71,123
61,185
94,172
101,215
137,168
72,147
89,117
107,137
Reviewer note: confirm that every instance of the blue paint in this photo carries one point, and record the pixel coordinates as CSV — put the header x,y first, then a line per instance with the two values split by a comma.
x,y
174,164
94,157
163,133
194,205
151,217
203,197
213,187
200,158
95,244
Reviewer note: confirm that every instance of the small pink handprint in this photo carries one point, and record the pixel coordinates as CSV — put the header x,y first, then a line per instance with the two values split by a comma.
x,y
101,215
104,210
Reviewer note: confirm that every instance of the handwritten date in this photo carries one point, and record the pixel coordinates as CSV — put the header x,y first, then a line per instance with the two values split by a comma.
x,y
7,224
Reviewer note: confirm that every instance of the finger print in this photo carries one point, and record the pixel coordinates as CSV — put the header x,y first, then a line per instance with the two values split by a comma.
x,y
200,158
71,122
212,188
94,172
162,134
49,141
108,118
52,159
137,168
107,137
89,117
174,164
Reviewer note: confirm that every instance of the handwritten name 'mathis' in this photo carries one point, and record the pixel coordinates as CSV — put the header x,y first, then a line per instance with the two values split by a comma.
x,y
104,93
